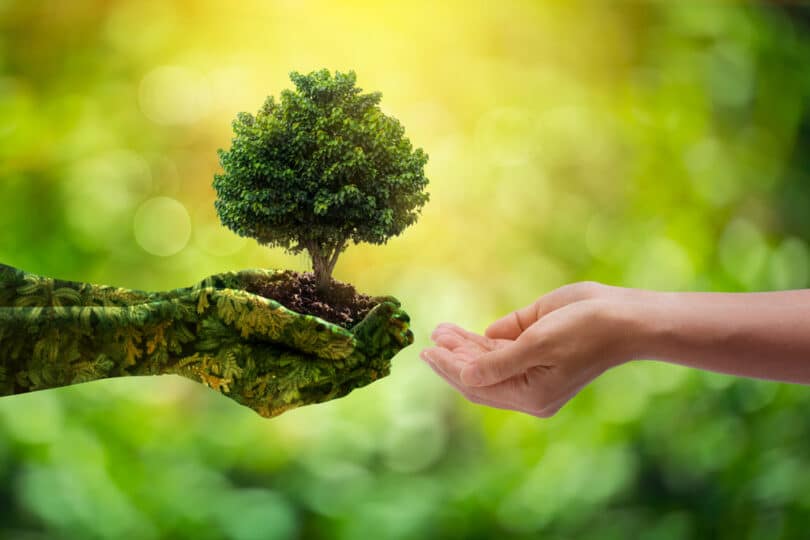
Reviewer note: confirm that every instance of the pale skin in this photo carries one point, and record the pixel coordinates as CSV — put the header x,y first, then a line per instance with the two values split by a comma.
x,y
537,358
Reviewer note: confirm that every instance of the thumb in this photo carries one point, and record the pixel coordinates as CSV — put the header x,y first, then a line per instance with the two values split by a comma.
x,y
496,366
512,325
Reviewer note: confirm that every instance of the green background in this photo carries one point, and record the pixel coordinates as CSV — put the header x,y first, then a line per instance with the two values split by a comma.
x,y
660,145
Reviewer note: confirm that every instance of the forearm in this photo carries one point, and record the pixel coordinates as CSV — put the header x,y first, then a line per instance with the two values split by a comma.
x,y
760,335
798,297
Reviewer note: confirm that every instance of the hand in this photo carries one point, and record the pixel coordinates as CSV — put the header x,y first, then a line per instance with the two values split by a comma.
x,y
537,358
249,348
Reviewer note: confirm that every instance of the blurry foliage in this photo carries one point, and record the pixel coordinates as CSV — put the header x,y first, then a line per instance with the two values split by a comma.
x,y
650,144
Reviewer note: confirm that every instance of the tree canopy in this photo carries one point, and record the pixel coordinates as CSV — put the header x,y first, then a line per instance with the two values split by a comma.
x,y
320,167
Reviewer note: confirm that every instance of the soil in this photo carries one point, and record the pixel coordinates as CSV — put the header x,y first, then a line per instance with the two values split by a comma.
x,y
341,304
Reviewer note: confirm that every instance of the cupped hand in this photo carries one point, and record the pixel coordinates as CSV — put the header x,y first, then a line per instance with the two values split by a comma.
x,y
537,358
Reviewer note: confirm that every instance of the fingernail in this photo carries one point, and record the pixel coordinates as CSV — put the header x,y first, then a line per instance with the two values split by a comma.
x,y
423,355
471,376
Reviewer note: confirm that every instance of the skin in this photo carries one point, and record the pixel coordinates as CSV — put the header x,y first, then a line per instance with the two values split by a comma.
x,y
537,358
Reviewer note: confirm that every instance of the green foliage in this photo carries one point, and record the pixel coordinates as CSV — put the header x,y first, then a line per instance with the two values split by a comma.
x,y
574,140
318,168
302,359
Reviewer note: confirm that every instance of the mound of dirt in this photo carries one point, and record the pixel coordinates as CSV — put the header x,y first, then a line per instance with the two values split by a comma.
x,y
340,304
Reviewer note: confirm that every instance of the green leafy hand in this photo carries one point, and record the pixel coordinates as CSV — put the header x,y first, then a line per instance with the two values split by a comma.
x,y
254,350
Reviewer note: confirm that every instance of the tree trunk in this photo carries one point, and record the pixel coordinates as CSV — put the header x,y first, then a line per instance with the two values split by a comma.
x,y
321,269
324,260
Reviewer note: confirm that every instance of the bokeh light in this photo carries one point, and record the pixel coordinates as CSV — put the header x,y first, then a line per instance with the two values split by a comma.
x,y
162,226
173,95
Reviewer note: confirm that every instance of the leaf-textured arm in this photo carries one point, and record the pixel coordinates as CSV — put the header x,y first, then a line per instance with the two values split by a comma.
x,y
254,350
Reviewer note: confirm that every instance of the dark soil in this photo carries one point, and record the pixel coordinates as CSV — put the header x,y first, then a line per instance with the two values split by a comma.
x,y
341,304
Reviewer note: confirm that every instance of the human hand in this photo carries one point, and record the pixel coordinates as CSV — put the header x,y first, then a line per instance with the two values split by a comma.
x,y
537,358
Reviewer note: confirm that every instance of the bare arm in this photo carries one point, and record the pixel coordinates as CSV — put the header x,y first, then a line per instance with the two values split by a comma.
x,y
537,358
762,335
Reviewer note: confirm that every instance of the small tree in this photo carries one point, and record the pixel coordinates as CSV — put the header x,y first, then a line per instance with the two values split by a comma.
x,y
319,168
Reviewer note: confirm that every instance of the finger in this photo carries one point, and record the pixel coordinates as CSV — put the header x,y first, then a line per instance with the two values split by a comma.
x,y
447,361
426,357
460,346
448,340
514,394
510,393
453,329
499,365
465,351
443,366
466,392
519,393
270,323
510,326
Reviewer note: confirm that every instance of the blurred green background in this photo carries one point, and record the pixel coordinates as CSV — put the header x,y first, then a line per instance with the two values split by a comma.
x,y
647,144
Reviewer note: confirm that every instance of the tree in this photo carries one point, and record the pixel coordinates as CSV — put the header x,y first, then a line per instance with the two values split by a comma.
x,y
319,168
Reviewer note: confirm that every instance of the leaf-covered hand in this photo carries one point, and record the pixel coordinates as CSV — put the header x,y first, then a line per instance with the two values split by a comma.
x,y
252,349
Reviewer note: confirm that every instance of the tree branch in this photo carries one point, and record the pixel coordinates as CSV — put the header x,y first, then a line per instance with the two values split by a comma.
x,y
333,256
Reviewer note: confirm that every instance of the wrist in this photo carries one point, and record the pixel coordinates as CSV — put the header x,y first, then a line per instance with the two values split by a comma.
x,y
660,321
644,325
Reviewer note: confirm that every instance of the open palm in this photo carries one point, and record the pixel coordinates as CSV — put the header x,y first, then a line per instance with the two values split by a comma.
x,y
457,348
537,358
